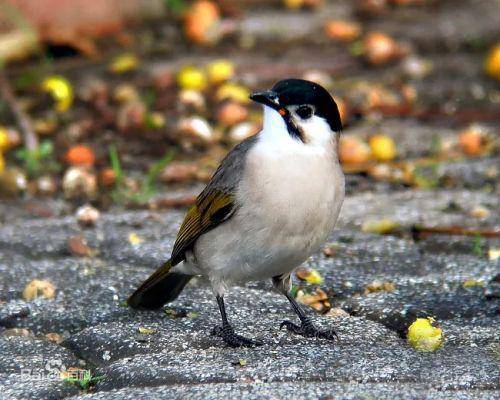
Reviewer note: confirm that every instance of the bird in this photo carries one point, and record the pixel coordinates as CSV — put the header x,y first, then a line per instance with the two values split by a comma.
x,y
272,202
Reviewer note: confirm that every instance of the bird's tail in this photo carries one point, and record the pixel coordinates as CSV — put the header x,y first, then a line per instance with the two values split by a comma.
x,y
161,287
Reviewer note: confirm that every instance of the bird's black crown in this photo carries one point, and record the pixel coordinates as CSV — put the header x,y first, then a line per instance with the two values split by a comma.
x,y
300,91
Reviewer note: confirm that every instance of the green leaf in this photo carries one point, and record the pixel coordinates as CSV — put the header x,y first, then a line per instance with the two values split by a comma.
x,y
176,6
477,247
156,168
45,149
115,164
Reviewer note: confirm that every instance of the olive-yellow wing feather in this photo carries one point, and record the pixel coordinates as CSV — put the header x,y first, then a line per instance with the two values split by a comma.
x,y
211,209
216,203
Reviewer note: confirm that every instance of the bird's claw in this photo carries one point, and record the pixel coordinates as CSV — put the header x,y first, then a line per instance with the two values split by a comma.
x,y
227,334
307,329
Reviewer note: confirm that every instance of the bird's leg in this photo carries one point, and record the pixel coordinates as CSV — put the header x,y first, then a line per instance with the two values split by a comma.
x,y
226,331
306,327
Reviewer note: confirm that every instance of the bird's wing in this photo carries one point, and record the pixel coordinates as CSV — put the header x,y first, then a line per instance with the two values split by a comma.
x,y
215,204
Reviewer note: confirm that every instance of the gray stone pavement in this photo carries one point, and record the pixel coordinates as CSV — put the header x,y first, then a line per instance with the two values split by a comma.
x,y
179,358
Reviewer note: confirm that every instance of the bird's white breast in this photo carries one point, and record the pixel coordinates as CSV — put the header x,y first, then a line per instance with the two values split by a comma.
x,y
288,202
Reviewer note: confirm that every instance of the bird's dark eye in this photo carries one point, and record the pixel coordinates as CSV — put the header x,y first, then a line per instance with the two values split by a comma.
x,y
304,112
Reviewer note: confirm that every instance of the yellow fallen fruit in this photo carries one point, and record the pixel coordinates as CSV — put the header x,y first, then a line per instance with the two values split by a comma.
x,y
220,71
383,147
472,283
123,63
423,336
314,277
191,78
381,226
353,150
39,288
472,140
134,239
232,91
293,4
493,254
480,212
4,140
155,120
202,22
61,91
146,331
492,62
2,163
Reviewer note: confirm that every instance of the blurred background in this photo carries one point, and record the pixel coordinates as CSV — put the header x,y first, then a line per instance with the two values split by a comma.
x,y
134,103
114,113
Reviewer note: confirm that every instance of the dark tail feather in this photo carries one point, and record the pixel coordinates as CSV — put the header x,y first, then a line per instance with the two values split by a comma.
x,y
160,288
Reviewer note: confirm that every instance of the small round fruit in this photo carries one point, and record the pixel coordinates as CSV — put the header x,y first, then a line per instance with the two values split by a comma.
x,y
80,155
380,48
424,336
353,150
383,147
191,78
201,22
471,141
492,62
220,71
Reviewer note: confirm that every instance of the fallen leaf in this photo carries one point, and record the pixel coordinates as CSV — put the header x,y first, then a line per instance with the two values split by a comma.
x,y
171,312
77,246
378,286
317,300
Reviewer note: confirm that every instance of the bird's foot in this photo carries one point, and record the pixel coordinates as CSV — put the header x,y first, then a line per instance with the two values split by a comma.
x,y
232,339
307,329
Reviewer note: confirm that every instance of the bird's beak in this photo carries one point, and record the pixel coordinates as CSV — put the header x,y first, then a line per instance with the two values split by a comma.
x,y
268,98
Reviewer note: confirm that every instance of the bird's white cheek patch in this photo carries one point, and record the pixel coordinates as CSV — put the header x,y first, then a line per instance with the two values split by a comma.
x,y
316,131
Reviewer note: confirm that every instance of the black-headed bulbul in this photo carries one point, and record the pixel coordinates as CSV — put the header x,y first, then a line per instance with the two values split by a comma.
x,y
273,201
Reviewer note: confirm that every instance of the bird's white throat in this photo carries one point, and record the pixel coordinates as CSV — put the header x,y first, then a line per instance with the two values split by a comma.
x,y
317,132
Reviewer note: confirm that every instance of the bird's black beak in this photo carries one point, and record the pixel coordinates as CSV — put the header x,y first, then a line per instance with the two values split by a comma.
x,y
268,98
